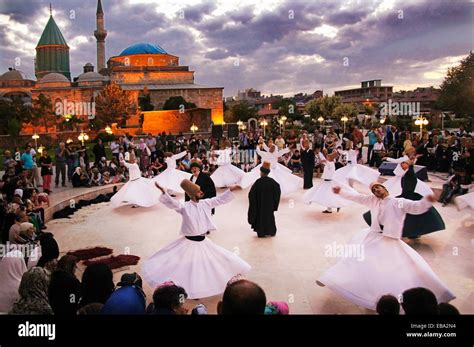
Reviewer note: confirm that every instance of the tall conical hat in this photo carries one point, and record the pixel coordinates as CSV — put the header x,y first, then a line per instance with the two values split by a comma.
x,y
190,188
265,168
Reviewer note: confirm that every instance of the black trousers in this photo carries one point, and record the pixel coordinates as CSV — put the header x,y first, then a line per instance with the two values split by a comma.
x,y
308,178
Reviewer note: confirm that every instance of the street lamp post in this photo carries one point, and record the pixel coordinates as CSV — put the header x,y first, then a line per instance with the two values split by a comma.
x,y
83,137
421,121
366,118
241,125
320,120
35,137
194,128
280,121
284,118
264,123
344,119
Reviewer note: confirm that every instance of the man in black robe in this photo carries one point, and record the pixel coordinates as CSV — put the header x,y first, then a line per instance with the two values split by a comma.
x,y
264,198
203,180
307,161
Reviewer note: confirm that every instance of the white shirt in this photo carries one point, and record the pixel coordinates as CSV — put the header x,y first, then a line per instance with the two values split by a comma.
x,y
352,156
133,170
114,147
329,170
272,157
196,215
171,161
399,171
389,212
378,146
225,156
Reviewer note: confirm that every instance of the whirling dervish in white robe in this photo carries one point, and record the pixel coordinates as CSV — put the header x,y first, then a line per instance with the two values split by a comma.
x,y
376,261
466,200
394,184
322,193
285,178
354,171
171,178
226,174
193,261
138,191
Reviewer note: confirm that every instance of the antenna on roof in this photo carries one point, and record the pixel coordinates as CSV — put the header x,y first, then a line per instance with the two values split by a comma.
x,y
50,9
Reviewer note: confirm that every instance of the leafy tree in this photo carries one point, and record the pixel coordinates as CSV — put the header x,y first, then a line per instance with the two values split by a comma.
x,y
242,111
177,103
14,109
112,105
287,107
42,113
348,110
457,89
144,101
324,107
14,127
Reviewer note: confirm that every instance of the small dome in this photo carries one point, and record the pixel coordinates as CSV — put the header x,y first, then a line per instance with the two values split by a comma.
x,y
13,75
89,64
54,77
143,48
90,77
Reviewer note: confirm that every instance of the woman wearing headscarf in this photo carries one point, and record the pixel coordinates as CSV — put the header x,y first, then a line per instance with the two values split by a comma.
x,y
97,284
49,252
144,155
33,293
126,300
64,289
12,268
129,299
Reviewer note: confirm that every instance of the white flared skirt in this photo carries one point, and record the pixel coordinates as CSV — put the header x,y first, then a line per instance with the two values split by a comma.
x,y
141,192
466,200
288,182
394,187
227,175
202,268
357,172
171,179
377,265
323,195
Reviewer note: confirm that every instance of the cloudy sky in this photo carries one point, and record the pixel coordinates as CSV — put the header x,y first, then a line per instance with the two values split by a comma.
x,y
279,47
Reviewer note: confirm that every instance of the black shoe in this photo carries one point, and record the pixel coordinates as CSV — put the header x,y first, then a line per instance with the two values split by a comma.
x,y
326,211
338,209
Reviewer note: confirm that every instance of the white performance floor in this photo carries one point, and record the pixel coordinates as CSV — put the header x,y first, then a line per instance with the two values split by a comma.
x,y
285,266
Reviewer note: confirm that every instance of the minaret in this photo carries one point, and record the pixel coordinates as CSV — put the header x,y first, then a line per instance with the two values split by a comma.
x,y
100,34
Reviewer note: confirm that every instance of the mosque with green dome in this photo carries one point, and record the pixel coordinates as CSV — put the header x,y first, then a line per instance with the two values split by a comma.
x,y
140,68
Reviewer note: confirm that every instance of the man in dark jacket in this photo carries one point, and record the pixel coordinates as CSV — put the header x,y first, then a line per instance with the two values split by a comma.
x,y
203,180
307,161
264,198
99,151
